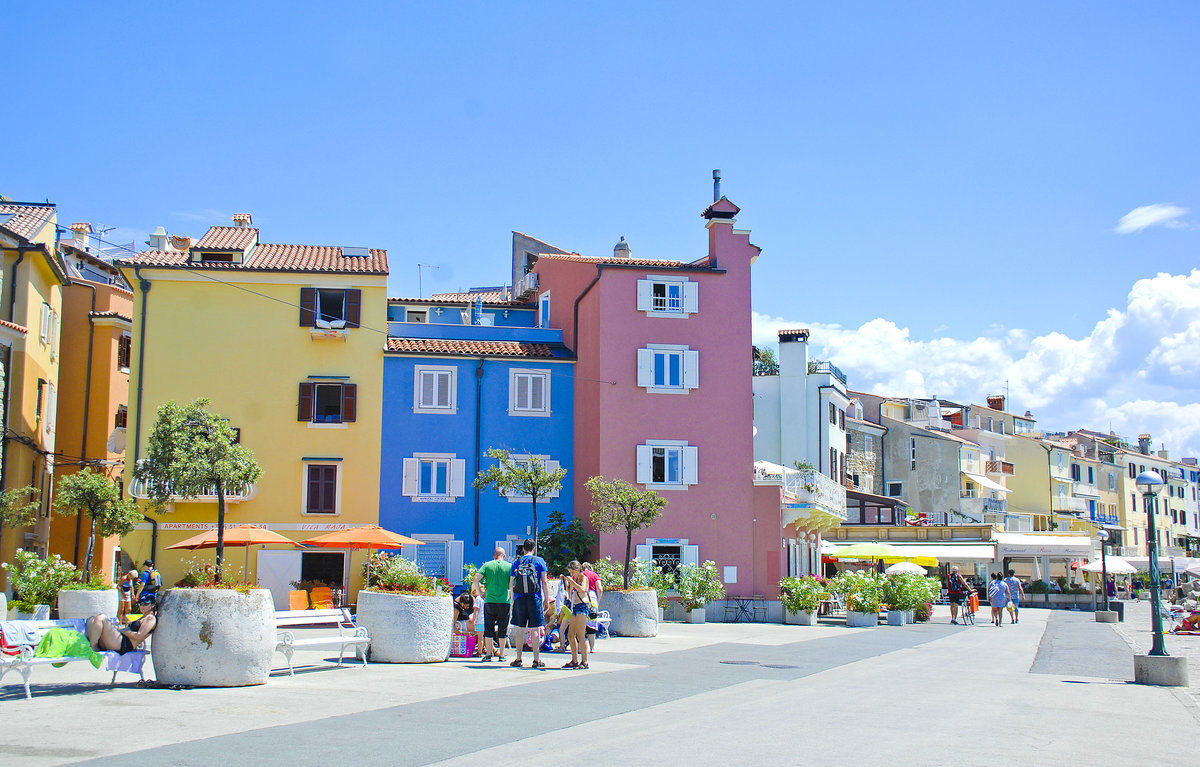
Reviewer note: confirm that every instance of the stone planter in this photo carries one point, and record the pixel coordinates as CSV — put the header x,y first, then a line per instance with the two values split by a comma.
x,y
861,620
214,637
634,613
82,603
662,615
696,615
910,616
406,628
802,618
895,618
40,613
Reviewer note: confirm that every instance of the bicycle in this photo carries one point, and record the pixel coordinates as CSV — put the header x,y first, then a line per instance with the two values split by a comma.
x,y
967,609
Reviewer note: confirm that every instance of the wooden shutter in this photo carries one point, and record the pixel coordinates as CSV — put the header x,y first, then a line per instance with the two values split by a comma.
x,y
454,561
643,552
329,489
458,476
689,555
645,301
316,490
645,367
691,466
304,410
553,466
353,307
691,369
643,464
691,297
308,307
349,402
408,483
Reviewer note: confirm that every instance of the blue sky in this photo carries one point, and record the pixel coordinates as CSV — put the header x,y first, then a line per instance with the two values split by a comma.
x,y
958,171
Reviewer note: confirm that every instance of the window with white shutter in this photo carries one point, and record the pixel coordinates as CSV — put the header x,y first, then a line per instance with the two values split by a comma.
x,y
434,477
434,389
668,464
667,296
546,461
528,392
668,369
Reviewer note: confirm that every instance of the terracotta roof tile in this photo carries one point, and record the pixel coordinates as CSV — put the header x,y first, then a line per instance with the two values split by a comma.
x,y
469,348
114,315
227,238
13,326
489,297
613,260
27,218
279,258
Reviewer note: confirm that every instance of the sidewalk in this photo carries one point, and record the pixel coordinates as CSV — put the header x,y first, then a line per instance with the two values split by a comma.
x,y
1135,630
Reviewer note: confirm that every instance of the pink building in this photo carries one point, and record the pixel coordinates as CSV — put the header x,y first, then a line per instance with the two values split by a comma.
x,y
663,395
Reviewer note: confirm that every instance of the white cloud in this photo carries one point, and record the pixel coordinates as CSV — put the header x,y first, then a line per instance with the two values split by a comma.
x,y
1137,370
1159,214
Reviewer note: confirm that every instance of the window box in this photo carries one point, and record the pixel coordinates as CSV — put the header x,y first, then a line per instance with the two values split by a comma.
x,y
435,389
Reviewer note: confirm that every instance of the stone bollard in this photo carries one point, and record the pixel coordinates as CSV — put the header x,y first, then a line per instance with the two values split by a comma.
x,y
1106,616
1161,670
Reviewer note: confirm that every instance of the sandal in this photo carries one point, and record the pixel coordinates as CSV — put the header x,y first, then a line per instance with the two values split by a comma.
x,y
516,663
582,667
538,665
571,665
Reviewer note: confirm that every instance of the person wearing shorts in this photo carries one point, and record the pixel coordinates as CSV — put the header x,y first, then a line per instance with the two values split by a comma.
x,y
528,581
1015,591
495,576
957,588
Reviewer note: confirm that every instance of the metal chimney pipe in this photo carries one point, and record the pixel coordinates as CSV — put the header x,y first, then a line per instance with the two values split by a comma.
x,y
716,184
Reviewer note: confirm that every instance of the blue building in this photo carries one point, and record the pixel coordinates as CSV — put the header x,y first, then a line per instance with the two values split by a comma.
x,y
463,374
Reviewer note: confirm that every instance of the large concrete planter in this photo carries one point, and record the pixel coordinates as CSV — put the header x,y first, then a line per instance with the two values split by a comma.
x,y
40,613
81,603
214,637
695,616
895,617
634,613
802,618
405,628
861,620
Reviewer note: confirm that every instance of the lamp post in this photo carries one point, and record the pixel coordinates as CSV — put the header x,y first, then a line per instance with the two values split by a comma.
x,y
1103,536
1148,482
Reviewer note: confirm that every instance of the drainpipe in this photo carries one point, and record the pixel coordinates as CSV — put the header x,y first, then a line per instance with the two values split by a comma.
x,y
87,401
575,329
478,455
144,286
12,307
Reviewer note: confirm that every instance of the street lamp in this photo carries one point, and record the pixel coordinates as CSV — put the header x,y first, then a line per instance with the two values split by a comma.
x,y
1103,536
1148,482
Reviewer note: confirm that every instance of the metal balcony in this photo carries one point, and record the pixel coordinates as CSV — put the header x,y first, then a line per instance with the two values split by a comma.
x,y
821,366
804,487
139,490
995,505
999,467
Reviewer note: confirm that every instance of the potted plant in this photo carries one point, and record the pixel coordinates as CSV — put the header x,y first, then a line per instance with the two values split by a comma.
x,y
923,612
802,598
699,585
36,583
904,592
862,592
409,615
618,506
215,633
83,599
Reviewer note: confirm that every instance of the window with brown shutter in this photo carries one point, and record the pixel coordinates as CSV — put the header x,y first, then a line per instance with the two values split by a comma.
x,y
124,351
322,489
308,308
349,402
353,308
304,410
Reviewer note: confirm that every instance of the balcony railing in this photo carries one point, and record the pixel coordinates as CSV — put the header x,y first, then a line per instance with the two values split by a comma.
x,y
995,505
1068,504
820,366
1085,488
807,486
1102,518
999,467
139,489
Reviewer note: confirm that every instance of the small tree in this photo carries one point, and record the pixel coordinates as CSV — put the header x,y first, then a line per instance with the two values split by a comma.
x,y
100,497
765,363
561,542
513,477
18,507
191,452
618,505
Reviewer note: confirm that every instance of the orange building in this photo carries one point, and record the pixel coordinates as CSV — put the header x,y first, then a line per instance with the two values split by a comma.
x,y
93,386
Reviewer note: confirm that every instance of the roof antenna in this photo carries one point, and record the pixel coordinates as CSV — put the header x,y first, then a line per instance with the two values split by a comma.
x,y
716,184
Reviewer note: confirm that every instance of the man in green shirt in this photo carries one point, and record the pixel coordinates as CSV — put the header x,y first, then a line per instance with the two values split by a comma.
x,y
495,576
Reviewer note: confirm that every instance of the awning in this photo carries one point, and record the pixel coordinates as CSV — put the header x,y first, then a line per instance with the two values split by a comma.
x,y
983,481
943,552
1043,545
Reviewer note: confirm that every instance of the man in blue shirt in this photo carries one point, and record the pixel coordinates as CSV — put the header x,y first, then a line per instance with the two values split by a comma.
x,y
148,584
528,582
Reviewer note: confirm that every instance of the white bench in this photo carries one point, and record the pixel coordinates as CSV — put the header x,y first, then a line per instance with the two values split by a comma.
x,y
25,661
348,635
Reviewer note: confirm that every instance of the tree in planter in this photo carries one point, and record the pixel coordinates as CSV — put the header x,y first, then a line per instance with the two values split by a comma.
x,y
515,477
618,505
18,508
100,497
560,543
191,452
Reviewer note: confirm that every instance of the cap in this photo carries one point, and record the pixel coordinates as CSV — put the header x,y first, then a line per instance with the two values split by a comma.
x,y
148,563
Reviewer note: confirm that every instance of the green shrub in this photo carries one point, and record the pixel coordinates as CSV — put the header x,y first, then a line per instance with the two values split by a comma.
x,y
861,590
803,594
395,574
37,581
699,584
906,591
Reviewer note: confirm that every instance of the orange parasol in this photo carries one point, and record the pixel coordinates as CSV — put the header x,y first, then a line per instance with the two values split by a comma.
x,y
242,535
367,537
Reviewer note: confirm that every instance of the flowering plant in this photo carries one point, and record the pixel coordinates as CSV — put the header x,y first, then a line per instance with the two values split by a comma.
x,y
862,590
199,574
699,585
907,591
397,575
37,581
804,594
923,612
643,576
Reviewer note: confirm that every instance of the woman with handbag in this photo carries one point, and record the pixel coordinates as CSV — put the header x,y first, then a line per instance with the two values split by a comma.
x,y
576,594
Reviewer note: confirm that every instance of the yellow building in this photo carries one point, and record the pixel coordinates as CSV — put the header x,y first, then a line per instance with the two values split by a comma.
x,y
29,334
286,341
1133,508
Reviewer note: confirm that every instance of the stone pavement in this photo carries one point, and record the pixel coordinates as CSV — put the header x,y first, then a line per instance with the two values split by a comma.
x,y
1136,632
709,694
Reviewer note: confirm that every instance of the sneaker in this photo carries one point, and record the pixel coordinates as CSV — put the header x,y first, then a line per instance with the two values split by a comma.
x,y
516,663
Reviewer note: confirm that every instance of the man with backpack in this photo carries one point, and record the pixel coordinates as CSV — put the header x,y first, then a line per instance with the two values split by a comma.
x,y
529,583
148,585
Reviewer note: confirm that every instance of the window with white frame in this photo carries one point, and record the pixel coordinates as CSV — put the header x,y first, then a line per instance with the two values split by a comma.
x,y
434,389
667,463
544,310
528,391
668,368
322,490
434,477
547,462
667,296
440,557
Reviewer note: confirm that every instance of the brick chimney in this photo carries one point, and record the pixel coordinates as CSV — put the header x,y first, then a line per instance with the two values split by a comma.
x,y
1144,444
996,402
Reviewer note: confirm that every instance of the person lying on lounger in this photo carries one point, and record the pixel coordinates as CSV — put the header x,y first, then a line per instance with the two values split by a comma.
x,y
105,636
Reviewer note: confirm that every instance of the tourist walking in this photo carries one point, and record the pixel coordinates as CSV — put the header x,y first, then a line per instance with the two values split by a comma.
x,y
576,595
596,586
125,589
997,598
957,588
496,577
1016,590
528,582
